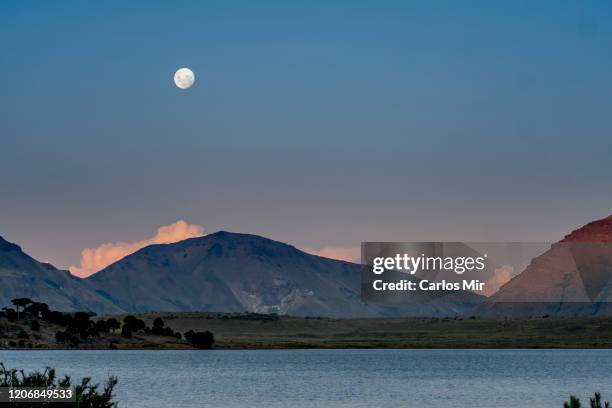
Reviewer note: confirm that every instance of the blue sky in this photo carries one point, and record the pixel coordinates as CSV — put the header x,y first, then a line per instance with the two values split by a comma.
x,y
319,124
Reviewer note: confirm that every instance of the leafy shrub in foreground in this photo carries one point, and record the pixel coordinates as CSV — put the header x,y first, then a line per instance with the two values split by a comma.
x,y
87,394
595,402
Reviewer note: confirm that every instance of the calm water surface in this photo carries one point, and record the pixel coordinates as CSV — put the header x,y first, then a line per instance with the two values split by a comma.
x,y
336,378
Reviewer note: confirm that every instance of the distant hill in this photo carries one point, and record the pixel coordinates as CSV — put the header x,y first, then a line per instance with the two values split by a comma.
x,y
230,272
23,276
573,278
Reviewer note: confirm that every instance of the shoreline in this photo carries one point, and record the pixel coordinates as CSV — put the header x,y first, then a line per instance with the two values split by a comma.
x,y
271,332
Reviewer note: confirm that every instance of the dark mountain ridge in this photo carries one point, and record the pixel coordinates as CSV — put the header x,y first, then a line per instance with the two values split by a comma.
x,y
232,272
23,276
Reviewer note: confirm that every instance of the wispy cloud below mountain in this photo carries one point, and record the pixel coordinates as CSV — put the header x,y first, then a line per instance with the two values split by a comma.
x,y
96,259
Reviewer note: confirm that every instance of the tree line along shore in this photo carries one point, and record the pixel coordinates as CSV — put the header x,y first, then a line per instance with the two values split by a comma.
x,y
33,325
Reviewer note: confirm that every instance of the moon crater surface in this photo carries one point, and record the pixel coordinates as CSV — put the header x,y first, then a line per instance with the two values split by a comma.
x,y
184,78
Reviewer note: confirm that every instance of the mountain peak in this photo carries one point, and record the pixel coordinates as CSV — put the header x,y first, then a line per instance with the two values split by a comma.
x,y
236,238
596,231
6,246
233,272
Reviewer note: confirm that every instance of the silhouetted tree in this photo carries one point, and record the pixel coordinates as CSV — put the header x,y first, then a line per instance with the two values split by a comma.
x,y
37,309
158,322
81,325
113,324
101,326
59,318
158,327
126,331
20,302
11,315
135,323
201,340
35,326
66,337
189,335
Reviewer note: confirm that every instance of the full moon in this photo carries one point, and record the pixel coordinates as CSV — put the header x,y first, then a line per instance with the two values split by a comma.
x,y
184,78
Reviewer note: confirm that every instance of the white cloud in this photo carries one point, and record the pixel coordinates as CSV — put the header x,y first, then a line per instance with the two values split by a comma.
x,y
96,259
501,276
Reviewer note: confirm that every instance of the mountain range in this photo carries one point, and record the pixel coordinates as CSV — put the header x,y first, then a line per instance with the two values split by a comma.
x,y
231,272
223,272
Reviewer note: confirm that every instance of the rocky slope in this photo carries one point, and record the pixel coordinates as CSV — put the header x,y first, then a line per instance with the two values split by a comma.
x,y
23,276
574,277
229,272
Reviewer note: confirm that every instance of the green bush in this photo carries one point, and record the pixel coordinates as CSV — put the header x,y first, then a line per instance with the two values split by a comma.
x,y
202,340
595,402
87,394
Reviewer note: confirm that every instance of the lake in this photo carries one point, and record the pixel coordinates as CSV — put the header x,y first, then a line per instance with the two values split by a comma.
x,y
336,378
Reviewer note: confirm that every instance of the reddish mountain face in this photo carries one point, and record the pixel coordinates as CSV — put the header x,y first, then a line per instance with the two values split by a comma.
x,y
596,231
574,277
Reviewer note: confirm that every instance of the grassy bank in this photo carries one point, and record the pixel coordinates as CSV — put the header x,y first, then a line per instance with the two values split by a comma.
x,y
264,331
270,331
